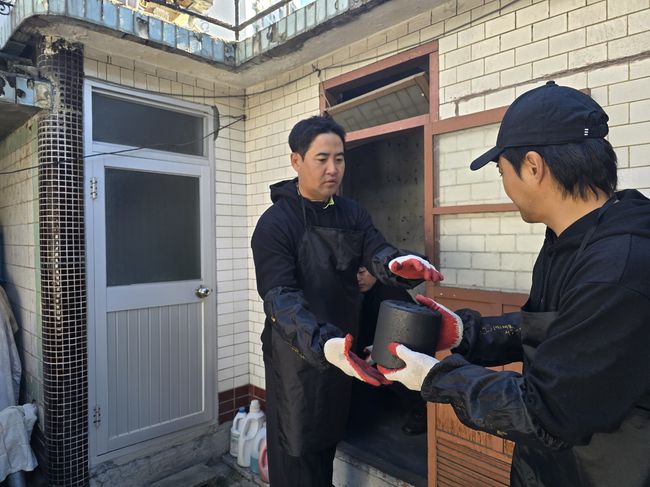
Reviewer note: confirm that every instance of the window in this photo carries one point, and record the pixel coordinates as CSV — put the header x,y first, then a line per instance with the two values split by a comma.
x,y
126,122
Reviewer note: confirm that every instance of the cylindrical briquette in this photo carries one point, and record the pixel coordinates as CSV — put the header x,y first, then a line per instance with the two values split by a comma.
x,y
410,324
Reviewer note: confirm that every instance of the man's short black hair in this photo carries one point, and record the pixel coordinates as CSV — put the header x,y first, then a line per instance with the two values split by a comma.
x,y
305,131
578,168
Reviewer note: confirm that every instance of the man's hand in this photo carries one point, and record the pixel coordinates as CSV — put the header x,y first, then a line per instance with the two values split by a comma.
x,y
337,352
417,367
414,267
451,326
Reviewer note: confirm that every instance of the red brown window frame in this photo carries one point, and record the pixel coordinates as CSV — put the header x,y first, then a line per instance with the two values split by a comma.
x,y
430,124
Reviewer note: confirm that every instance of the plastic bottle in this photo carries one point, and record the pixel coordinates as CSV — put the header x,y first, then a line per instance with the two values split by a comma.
x,y
235,430
255,419
263,462
255,450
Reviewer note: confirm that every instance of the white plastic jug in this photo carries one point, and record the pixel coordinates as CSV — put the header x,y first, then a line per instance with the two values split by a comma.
x,y
254,421
235,430
256,446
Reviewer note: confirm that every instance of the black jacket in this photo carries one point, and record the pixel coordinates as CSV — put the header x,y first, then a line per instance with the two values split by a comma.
x,y
580,411
306,260
275,244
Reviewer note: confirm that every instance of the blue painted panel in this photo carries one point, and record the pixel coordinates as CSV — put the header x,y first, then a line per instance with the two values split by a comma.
x,y
77,9
241,52
57,7
195,43
155,30
182,39
93,10
169,34
207,45
28,8
110,15
291,25
257,46
229,53
141,26
321,11
40,7
300,20
281,30
219,51
126,20
264,38
310,16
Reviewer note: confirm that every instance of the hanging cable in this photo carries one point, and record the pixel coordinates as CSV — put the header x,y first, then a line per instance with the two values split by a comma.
x,y
122,151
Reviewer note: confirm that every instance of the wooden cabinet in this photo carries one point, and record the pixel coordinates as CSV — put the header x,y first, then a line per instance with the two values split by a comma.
x,y
459,456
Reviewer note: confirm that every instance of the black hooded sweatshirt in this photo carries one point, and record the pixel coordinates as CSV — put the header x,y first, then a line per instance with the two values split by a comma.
x,y
275,244
580,411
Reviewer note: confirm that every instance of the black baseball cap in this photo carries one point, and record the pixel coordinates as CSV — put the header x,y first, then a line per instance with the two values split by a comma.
x,y
548,115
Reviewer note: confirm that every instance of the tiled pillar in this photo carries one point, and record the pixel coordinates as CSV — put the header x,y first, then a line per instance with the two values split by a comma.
x,y
63,266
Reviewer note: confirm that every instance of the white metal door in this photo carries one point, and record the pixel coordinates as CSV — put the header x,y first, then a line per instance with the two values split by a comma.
x,y
151,277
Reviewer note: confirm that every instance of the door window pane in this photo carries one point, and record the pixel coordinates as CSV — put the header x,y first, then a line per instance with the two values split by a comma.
x,y
126,122
152,227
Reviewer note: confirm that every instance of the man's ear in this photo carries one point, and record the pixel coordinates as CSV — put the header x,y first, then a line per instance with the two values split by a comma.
x,y
295,160
534,166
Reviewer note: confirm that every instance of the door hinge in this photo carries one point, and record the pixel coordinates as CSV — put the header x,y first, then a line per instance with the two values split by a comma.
x,y
93,188
97,416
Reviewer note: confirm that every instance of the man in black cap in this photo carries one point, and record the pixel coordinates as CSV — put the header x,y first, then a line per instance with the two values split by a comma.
x,y
579,412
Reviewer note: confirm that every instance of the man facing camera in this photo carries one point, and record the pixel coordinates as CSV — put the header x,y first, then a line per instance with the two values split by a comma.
x,y
307,248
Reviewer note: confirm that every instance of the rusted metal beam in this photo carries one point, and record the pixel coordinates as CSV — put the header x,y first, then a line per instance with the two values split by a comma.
x,y
262,14
173,6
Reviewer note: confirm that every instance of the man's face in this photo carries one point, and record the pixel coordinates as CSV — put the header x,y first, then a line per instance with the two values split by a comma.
x,y
320,172
517,188
365,280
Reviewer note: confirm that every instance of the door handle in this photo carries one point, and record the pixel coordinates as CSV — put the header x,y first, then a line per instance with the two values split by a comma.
x,y
202,291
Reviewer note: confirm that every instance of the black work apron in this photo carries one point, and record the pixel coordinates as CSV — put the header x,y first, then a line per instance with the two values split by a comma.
x,y
534,325
588,465
312,405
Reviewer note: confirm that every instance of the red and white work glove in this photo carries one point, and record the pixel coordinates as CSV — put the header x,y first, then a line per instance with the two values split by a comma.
x,y
414,267
337,352
417,366
451,326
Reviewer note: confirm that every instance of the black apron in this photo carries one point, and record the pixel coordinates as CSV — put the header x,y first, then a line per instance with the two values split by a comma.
x,y
588,465
534,325
312,405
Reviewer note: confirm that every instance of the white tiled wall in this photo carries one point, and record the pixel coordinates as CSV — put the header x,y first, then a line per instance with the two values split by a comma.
x,y
19,268
457,185
490,52
489,250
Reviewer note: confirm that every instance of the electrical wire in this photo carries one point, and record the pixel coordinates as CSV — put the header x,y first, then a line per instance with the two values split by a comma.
x,y
88,156
315,70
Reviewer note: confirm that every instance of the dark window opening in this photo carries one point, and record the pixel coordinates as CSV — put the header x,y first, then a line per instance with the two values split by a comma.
x,y
375,81
385,176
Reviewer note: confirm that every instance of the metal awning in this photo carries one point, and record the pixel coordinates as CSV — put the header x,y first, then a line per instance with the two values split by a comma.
x,y
406,98
21,97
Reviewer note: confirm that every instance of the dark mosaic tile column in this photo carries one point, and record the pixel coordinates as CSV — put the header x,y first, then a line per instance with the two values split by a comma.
x,y
63,266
